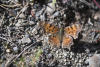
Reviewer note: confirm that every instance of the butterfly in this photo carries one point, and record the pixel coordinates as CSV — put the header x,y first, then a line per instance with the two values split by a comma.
x,y
62,36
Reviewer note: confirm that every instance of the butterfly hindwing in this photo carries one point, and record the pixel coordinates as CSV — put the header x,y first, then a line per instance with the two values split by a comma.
x,y
67,41
54,40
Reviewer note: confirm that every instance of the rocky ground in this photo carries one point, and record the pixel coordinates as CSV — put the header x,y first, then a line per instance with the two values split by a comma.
x,y
22,41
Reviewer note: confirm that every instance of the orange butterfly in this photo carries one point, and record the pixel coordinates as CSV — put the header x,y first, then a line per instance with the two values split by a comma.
x,y
61,36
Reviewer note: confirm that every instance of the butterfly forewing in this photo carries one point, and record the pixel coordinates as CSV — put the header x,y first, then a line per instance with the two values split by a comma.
x,y
49,28
72,30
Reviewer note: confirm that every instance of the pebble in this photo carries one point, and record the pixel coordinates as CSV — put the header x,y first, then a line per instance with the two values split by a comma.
x,y
65,60
55,14
60,56
80,56
89,22
80,61
97,15
3,64
8,50
50,56
42,17
28,59
94,61
24,8
25,39
19,23
15,49
38,14
34,31
65,54
50,10
31,22
78,65
75,60
87,50
22,15
33,12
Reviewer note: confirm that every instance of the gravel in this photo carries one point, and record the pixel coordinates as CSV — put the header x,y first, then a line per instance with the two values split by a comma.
x,y
23,42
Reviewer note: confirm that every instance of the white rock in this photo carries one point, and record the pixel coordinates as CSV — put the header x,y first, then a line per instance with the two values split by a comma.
x,y
55,14
25,40
31,22
22,16
97,15
19,23
50,10
64,53
15,49
94,61
42,17
34,31
8,50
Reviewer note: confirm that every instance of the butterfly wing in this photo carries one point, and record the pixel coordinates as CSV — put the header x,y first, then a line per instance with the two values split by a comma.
x,y
67,41
53,30
49,28
73,30
54,40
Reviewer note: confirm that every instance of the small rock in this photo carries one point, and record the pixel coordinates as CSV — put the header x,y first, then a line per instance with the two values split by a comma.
x,y
80,61
55,14
25,40
65,54
65,60
70,56
33,12
3,65
50,10
31,22
34,31
89,22
19,23
8,50
97,15
94,61
37,15
42,17
22,16
79,65
15,49
50,56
